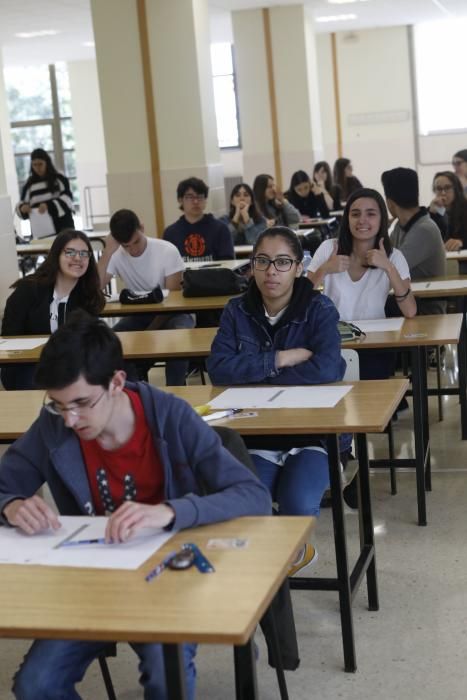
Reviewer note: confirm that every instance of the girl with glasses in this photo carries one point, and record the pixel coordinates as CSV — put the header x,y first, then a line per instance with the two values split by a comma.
x,y
459,163
449,210
282,332
40,302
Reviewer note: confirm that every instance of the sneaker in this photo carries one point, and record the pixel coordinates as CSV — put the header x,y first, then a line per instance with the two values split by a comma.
x,y
307,556
350,493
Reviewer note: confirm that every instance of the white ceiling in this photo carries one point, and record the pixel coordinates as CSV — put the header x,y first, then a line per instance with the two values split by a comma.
x,y
72,20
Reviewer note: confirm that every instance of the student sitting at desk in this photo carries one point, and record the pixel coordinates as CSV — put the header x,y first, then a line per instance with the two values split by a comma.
x,y
96,429
360,268
449,210
345,179
198,236
281,331
272,203
66,280
459,163
244,221
144,263
307,196
323,177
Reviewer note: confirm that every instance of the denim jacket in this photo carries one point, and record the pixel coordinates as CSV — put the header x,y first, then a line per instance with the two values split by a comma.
x,y
244,349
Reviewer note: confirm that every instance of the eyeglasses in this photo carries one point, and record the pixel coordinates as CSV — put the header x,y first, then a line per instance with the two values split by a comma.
x,y
441,190
282,264
195,197
72,253
84,406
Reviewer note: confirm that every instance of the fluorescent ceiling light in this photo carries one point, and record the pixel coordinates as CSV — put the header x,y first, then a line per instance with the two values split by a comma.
x,y
344,2
335,18
33,35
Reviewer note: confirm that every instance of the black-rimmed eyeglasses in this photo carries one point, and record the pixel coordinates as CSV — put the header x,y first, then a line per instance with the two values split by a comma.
x,y
282,264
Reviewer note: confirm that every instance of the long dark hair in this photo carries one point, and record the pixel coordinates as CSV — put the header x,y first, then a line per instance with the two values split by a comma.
x,y
253,212
51,171
287,234
259,188
458,209
88,286
339,172
345,238
328,183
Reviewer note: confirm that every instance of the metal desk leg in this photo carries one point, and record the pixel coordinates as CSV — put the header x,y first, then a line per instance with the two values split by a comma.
x,y
174,672
246,687
461,360
343,578
367,538
420,404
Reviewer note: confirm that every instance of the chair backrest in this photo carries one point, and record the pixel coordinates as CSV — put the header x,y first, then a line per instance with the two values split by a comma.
x,y
352,372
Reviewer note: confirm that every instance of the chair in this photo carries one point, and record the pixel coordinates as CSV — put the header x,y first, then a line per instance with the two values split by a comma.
x,y
352,374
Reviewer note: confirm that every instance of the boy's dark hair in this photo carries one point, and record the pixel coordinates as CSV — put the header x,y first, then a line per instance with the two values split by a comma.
x,y
462,155
192,183
123,225
83,346
289,236
401,185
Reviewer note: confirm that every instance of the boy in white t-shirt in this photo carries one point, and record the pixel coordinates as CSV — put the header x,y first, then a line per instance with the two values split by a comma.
x,y
144,263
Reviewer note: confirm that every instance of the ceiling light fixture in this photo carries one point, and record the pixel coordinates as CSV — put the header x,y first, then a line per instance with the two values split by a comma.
x,y
344,2
336,18
33,35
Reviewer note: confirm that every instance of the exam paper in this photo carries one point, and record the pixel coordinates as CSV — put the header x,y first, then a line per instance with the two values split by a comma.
x,y
380,325
44,548
281,397
42,225
21,343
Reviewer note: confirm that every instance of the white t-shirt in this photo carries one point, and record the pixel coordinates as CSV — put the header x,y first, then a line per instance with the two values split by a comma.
x,y
150,269
360,300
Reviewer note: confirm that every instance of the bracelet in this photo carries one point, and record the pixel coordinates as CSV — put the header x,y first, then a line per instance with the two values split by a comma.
x,y
401,297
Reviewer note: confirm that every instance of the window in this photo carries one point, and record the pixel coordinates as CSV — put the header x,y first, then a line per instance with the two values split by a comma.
x,y
39,104
439,63
225,96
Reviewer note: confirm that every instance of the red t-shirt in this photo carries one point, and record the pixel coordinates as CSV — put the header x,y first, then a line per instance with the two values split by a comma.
x,y
132,472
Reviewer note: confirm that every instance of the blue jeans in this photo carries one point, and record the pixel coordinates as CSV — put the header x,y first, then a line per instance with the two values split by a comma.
x,y
175,370
51,668
299,483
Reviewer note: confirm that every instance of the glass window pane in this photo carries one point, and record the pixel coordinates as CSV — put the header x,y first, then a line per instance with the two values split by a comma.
x,y
226,111
23,166
26,138
440,109
75,192
69,158
221,59
28,92
63,89
68,138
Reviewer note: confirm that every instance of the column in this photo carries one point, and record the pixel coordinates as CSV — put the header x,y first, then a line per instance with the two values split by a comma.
x,y
157,102
278,91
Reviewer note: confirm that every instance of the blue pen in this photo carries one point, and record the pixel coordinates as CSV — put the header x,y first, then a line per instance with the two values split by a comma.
x,y
160,567
74,543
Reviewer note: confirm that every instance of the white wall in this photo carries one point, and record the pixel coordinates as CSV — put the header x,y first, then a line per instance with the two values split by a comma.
x,y
89,134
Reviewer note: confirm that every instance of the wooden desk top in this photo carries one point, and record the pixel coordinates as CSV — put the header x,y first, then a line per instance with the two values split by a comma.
x,y
421,330
178,606
175,302
226,264
440,287
367,408
243,251
458,255
42,246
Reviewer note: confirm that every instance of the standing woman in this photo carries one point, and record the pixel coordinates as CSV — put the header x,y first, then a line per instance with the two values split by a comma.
x,y
66,280
459,163
344,178
244,221
307,196
360,268
272,204
47,190
449,210
282,332
323,177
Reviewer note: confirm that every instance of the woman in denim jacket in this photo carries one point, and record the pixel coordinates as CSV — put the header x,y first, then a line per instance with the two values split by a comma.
x,y
282,331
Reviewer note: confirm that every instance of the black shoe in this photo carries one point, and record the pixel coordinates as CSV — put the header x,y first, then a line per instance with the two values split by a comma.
x,y
350,493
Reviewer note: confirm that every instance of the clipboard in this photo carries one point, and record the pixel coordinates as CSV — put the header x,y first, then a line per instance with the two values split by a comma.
x,y
42,225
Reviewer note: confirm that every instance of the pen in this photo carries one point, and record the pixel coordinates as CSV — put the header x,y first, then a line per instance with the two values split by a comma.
x,y
222,414
74,543
427,285
160,567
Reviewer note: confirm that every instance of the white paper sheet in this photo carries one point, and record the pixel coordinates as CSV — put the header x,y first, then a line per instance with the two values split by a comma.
x,y
42,225
21,343
380,324
44,549
281,397
439,286
113,298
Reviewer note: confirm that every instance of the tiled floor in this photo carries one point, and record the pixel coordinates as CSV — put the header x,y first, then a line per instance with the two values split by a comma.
x,y
414,647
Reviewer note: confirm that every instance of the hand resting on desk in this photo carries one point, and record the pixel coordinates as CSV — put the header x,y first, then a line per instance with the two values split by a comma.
x,y
131,517
31,515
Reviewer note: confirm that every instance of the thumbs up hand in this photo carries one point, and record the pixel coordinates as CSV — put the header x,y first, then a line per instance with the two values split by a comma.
x,y
377,257
337,263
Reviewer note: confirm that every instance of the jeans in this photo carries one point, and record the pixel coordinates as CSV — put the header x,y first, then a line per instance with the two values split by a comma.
x,y
298,483
51,669
175,370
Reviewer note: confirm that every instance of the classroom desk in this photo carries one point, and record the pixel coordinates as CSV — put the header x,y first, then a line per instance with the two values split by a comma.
x,y
368,407
315,223
41,246
459,256
116,605
225,264
174,303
